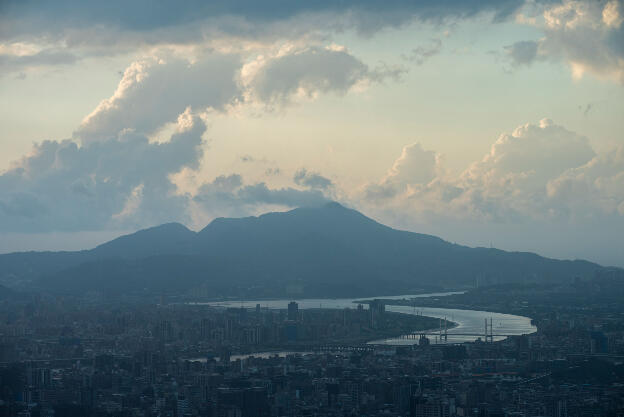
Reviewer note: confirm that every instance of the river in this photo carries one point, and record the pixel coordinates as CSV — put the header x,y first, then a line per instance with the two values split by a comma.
x,y
468,321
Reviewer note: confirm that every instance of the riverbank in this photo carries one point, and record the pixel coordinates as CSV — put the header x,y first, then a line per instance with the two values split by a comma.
x,y
488,300
350,327
468,321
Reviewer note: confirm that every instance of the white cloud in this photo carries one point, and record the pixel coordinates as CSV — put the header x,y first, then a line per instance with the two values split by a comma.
x,y
414,169
541,188
612,14
529,157
586,34
594,189
539,171
154,91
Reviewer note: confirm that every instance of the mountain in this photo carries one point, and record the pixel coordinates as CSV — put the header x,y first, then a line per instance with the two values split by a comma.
x,y
321,251
167,238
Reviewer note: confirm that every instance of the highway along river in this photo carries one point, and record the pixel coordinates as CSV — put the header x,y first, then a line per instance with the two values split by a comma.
x,y
470,323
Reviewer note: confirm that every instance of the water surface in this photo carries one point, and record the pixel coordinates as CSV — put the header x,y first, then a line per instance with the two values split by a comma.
x,y
468,321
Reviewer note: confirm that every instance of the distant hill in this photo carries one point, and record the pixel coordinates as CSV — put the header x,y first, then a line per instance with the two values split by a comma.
x,y
322,251
165,239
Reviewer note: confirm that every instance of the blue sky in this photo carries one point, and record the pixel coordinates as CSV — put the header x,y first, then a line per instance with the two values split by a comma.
x,y
480,122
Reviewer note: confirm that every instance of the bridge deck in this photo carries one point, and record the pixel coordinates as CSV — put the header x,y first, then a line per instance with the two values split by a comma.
x,y
461,334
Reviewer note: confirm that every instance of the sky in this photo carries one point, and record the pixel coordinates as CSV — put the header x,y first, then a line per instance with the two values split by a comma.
x,y
487,123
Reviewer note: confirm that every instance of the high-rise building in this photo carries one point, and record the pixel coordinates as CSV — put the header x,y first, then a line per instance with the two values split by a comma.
x,y
293,311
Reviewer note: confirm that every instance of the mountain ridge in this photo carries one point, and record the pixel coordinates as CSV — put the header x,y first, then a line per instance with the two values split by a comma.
x,y
321,250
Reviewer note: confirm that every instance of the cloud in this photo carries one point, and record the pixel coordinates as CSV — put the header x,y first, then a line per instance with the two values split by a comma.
x,y
420,54
588,35
228,195
312,180
304,73
594,189
540,188
86,29
414,168
530,156
119,168
11,62
522,53
154,91
122,182
524,176
239,16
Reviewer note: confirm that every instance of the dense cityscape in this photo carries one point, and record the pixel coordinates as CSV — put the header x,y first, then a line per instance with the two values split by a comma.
x,y
76,357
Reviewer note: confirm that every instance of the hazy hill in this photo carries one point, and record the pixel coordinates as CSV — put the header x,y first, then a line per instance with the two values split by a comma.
x,y
168,238
323,251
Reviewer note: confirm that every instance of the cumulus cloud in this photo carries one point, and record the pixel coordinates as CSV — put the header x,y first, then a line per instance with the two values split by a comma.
x,y
113,173
121,182
154,91
414,168
509,183
594,189
586,34
539,171
530,156
540,188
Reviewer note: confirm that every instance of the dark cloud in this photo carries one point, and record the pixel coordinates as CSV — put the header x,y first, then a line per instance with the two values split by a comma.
x,y
522,53
15,63
51,16
422,53
261,193
122,182
313,180
228,195
307,72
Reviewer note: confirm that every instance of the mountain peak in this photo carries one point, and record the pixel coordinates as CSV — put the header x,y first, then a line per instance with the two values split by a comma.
x,y
334,205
